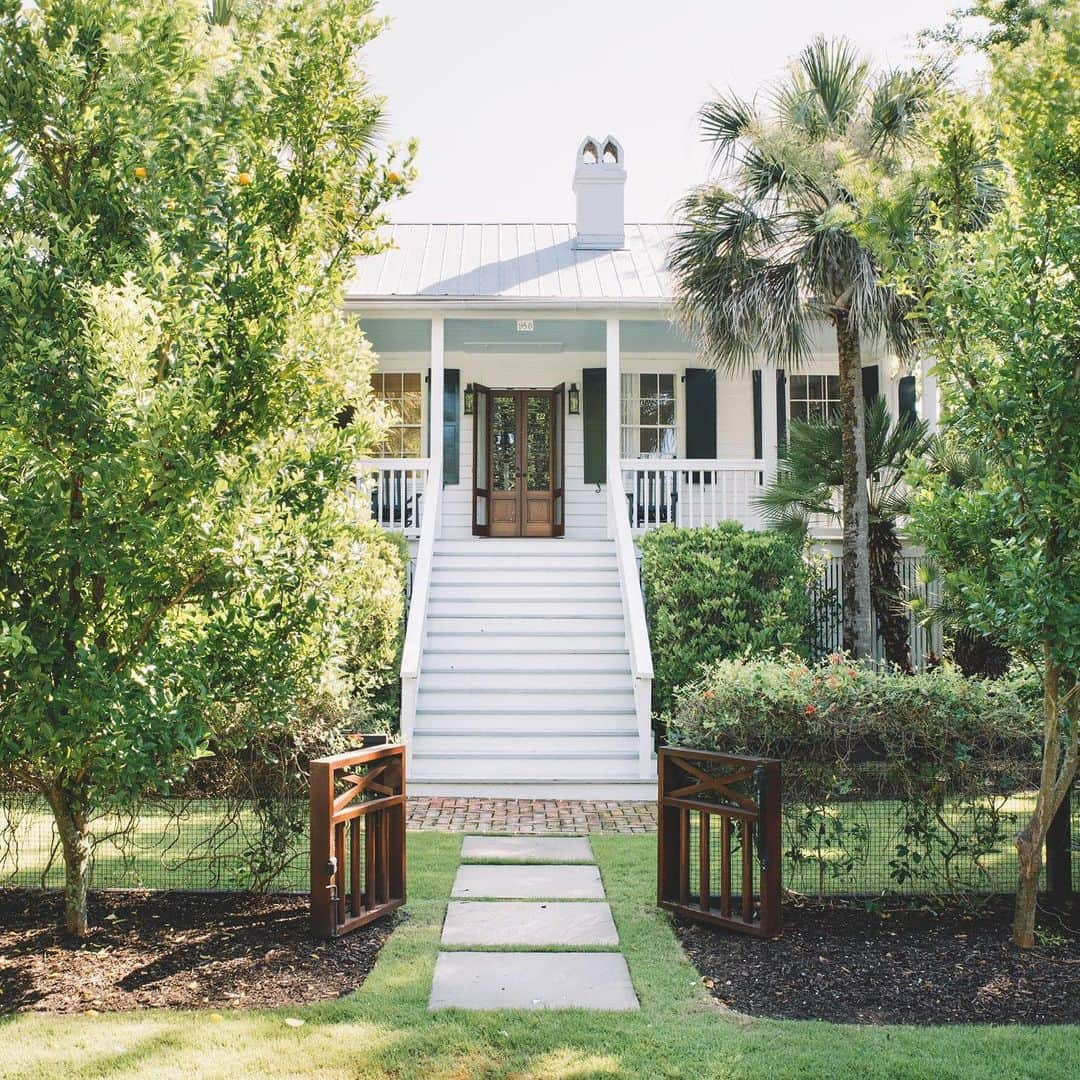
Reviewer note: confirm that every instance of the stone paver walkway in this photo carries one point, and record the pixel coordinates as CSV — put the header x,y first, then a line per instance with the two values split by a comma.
x,y
547,904
570,817
534,881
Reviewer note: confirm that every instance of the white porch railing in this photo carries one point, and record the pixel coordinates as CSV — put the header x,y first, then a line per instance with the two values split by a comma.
x,y
637,629
691,492
398,487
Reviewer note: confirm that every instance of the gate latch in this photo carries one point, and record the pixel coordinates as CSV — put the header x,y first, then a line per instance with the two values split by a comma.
x,y
331,869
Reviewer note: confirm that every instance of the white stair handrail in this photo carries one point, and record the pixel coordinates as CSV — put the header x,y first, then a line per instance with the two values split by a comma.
x,y
637,629
413,647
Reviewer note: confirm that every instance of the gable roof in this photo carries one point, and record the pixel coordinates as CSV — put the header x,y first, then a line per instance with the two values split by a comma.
x,y
514,263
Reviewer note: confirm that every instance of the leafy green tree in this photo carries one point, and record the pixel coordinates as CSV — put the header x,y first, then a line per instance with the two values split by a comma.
x,y
772,251
1003,311
976,654
996,22
182,195
807,476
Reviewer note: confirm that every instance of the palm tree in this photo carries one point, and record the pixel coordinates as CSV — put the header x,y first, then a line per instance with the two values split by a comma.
x,y
807,476
778,247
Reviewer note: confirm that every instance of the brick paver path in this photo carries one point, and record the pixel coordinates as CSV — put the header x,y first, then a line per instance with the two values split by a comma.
x,y
566,816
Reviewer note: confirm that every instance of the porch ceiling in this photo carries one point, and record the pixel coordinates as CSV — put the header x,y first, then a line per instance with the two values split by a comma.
x,y
484,335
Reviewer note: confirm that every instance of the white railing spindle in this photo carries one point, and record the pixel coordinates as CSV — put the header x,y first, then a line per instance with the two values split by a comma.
x,y
691,492
398,487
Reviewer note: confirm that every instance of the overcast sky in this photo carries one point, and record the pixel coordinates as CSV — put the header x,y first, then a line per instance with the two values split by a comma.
x,y
500,92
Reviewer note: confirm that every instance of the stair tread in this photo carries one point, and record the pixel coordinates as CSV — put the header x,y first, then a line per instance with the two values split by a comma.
x,y
499,755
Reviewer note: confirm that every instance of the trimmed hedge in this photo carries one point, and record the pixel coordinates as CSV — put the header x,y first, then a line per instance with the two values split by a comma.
x,y
712,593
844,727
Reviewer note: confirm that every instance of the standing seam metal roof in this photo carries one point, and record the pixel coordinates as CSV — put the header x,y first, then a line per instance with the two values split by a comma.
x,y
514,262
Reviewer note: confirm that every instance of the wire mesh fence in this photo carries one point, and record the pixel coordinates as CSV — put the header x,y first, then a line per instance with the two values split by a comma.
x,y
864,847
889,848
189,844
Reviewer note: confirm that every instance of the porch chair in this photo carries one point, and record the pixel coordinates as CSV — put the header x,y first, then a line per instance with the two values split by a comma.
x,y
399,508
657,499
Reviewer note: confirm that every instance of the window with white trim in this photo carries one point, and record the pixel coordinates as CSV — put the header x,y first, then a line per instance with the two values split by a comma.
x,y
813,397
648,416
402,395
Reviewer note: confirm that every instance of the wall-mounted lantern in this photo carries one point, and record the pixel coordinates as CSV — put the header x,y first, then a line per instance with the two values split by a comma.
x,y
470,397
573,399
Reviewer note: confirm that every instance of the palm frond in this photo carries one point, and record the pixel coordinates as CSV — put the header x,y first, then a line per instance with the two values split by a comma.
x,y
220,12
736,294
810,468
897,101
836,76
724,121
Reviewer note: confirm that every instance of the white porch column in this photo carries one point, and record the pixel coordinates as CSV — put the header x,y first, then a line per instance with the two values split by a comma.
x,y
437,387
614,387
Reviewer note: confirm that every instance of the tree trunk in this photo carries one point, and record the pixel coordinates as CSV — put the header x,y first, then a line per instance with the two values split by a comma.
x,y
856,510
887,594
1058,770
71,823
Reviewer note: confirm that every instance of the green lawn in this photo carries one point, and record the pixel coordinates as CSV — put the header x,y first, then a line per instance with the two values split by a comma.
x,y
386,1031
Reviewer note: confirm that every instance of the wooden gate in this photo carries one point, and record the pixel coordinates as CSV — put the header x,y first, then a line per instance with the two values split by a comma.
x,y
357,838
719,828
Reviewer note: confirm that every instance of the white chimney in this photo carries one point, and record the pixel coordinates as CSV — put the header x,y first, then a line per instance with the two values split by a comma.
x,y
599,182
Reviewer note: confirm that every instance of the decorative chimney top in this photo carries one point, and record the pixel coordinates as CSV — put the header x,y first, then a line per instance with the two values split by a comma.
x,y
599,182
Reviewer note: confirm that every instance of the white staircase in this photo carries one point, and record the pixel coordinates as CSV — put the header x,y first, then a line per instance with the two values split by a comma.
x,y
525,686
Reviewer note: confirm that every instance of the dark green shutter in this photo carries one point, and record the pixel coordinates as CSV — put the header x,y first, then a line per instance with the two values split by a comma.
x,y
700,413
451,425
781,407
908,410
870,383
594,423
759,441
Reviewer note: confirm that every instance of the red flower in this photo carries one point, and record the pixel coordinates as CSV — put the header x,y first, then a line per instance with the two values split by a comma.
x,y
811,709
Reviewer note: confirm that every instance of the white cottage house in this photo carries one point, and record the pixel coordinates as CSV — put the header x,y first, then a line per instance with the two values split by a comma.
x,y
549,412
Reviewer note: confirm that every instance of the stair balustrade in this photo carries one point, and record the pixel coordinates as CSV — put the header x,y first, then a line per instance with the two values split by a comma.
x,y
637,630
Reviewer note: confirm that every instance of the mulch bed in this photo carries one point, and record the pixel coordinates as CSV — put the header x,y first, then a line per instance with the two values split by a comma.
x,y
847,964
175,950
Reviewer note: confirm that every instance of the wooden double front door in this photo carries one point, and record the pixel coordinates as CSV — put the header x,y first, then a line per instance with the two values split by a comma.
x,y
518,462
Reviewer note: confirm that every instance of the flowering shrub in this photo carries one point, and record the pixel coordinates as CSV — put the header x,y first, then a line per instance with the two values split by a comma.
x,y
891,782
904,734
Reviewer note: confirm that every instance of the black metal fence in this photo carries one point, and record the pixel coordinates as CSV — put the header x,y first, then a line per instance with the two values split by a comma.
x,y
825,624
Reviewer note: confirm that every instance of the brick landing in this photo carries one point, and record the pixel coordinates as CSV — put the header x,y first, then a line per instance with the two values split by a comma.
x,y
567,816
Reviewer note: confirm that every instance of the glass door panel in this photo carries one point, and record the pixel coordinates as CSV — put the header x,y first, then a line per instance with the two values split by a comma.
x,y
504,449
538,445
506,463
481,460
558,454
